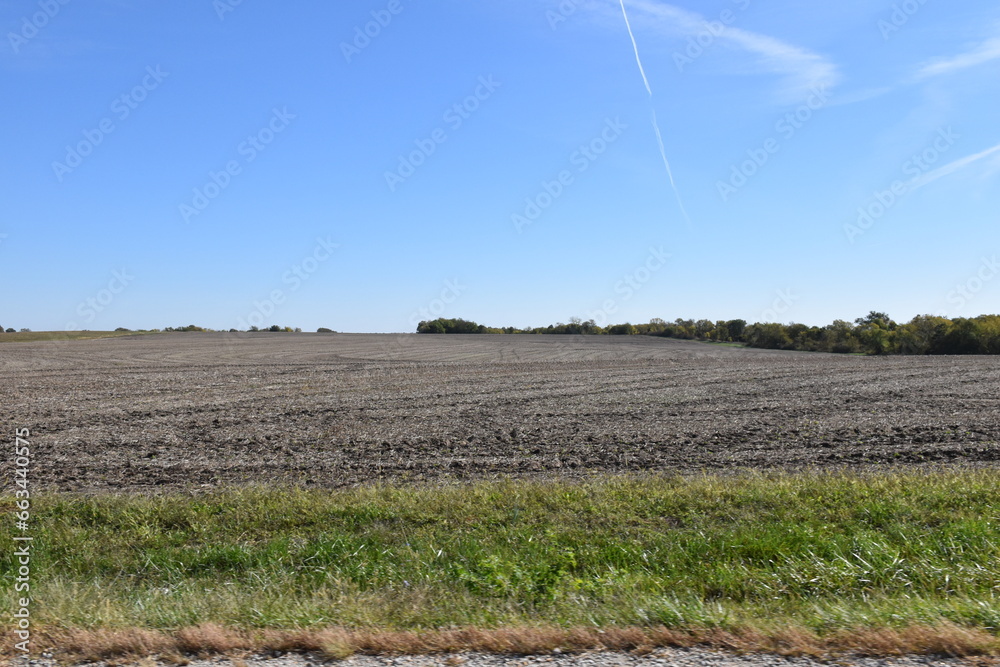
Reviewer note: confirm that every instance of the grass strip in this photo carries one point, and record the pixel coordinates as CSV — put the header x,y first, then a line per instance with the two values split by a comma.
x,y
827,558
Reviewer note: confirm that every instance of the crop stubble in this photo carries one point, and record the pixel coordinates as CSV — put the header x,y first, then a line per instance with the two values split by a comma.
x,y
193,411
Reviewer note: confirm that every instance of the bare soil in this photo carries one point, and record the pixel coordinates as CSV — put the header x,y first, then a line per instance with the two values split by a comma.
x,y
192,411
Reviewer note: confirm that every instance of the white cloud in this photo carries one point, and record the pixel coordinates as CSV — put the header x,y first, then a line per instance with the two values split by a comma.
x,y
951,168
983,53
800,69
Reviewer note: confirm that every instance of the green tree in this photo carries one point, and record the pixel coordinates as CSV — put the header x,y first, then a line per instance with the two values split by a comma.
x,y
702,328
622,330
684,328
770,335
736,329
876,339
840,338
962,338
922,334
875,317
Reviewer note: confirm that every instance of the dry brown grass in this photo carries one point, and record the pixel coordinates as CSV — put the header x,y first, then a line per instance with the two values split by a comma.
x,y
338,643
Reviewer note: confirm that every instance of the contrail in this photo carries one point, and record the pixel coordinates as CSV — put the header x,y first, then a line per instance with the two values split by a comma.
x,y
656,126
635,47
670,174
663,152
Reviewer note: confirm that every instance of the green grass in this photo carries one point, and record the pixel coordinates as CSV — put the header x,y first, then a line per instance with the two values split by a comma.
x,y
35,336
825,553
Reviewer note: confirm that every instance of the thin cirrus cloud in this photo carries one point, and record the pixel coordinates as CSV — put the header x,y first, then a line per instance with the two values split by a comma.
x,y
983,53
800,70
952,167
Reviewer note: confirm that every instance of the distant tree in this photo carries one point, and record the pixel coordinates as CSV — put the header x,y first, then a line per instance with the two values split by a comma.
x,y
794,330
989,333
736,329
922,334
876,333
809,339
771,336
962,338
324,330
11,331
26,330
621,330
431,327
702,328
876,338
840,338
655,327
122,329
683,329
875,317
254,328
451,326
274,328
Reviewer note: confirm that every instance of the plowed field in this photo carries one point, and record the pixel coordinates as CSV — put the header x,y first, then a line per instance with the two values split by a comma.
x,y
198,410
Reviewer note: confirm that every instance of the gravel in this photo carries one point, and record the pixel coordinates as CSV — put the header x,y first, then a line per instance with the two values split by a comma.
x,y
662,657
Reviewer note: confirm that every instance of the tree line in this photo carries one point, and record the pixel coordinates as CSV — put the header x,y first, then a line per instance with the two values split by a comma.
x,y
875,334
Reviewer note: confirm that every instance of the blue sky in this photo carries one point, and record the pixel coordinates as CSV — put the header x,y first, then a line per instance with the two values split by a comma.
x,y
363,165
